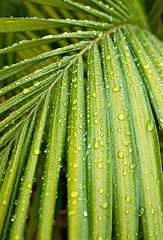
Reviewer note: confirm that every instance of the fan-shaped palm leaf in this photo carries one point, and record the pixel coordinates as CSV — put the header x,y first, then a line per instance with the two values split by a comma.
x,y
92,99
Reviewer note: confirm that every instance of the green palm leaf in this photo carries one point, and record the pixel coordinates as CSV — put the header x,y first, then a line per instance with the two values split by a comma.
x,y
104,56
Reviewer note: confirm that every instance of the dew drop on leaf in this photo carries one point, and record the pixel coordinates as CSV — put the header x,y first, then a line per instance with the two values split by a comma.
x,y
4,202
100,190
74,194
36,84
99,165
94,95
121,116
141,211
17,237
71,213
150,126
99,237
152,210
126,211
36,151
128,199
96,143
26,90
104,205
99,218
120,154
133,166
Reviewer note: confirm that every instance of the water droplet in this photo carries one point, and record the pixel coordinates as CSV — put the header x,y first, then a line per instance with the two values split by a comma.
x,y
22,209
46,194
99,237
126,211
128,199
96,121
133,166
95,114
116,89
75,101
96,143
124,173
101,190
101,143
127,133
74,194
126,143
104,205
78,148
125,163
36,151
94,95
29,185
99,218
4,202
152,210
85,213
71,213
120,154
141,211
75,165
36,84
17,237
146,66
101,128
26,90
150,126
74,202
121,116
139,51
99,165
108,57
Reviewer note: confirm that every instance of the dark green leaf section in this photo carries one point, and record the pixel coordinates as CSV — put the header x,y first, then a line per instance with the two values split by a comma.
x,y
98,151
125,184
3,160
17,229
26,93
10,176
56,3
57,131
149,162
6,137
150,74
17,114
152,51
18,177
34,75
94,12
158,44
33,24
76,158
48,39
10,70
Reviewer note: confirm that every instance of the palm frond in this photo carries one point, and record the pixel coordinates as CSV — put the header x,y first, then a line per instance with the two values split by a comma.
x,y
96,92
